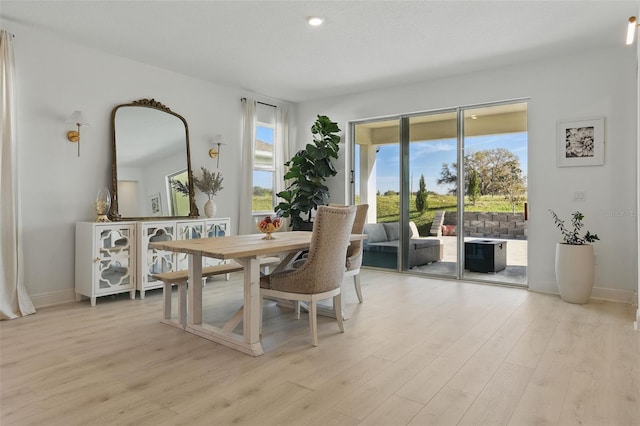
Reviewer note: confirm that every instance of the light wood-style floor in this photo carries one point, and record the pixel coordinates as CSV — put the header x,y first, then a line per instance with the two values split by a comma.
x,y
418,352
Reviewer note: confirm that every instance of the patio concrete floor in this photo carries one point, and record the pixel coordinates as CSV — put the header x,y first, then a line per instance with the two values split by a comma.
x,y
514,274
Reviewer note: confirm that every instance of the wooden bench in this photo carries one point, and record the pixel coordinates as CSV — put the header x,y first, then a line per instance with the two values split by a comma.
x,y
180,278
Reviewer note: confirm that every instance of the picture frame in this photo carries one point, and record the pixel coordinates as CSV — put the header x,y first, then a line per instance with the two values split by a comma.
x,y
156,205
580,142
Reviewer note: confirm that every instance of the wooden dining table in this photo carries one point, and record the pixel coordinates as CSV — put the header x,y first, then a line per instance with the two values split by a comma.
x,y
246,250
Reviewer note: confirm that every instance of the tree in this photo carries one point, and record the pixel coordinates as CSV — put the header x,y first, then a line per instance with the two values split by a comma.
x,y
448,176
472,187
514,186
421,196
497,172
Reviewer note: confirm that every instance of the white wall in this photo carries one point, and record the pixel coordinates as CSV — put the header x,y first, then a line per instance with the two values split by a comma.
x,y
54,78
588,84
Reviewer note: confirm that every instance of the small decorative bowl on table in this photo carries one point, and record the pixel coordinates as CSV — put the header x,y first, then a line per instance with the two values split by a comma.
x,y
268,226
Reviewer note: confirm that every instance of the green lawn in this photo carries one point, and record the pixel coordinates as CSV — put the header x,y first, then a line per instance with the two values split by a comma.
x,y
262,203
389,207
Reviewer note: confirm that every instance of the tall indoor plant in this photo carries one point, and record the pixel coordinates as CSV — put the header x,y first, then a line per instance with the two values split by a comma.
x,y
308,171
574,260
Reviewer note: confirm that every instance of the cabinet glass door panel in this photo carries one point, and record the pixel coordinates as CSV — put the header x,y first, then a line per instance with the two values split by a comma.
x,y
218,229
215,229
190,231
158,261
187,231
114,259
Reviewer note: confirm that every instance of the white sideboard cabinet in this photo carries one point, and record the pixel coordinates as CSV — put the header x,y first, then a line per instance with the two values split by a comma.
x,y
105,259
152,261
115,257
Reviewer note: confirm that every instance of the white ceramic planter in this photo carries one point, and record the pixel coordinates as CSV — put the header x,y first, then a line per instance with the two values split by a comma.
x,y
574,272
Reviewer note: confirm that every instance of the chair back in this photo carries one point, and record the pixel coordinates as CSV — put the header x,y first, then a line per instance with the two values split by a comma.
x,y
324,267
329,243
354,252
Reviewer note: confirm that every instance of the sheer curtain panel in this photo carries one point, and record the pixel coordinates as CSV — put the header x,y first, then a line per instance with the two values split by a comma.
x,y
281,151
15,301
245,219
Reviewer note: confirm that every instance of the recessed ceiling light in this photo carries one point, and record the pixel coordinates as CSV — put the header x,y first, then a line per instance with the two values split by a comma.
x,y
315,20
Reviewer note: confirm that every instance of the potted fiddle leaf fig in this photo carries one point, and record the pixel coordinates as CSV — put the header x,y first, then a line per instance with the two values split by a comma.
x,y
575,260
308,170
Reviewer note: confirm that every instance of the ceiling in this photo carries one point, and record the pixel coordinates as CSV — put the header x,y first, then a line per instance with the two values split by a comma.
x,y
267,47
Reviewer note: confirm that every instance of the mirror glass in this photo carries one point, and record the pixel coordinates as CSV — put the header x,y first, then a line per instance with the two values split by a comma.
x,y
151,149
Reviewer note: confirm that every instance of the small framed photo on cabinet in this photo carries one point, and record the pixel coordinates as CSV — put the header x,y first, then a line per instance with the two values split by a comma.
x,y
156,207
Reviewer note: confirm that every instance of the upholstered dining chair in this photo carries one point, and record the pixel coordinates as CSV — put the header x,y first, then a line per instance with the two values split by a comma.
x,y
354,252
321,275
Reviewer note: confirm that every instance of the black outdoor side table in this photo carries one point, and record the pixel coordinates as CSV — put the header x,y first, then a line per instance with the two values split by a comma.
x,y
485,255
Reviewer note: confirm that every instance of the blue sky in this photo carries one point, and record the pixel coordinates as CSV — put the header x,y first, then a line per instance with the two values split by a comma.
x,y
427,158
263,179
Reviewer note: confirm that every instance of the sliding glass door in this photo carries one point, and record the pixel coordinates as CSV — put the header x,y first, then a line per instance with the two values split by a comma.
x,y
409,170
377,183
433,206
495,198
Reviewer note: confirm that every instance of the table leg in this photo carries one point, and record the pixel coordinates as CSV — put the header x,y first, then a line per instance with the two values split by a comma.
x,y
251,318
195,289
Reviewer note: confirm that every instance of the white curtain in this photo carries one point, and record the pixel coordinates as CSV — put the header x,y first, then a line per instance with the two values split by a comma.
x,y
281,147
245,219
14,300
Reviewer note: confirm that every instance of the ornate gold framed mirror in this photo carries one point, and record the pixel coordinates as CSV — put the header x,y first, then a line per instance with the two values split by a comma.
x,y
151,167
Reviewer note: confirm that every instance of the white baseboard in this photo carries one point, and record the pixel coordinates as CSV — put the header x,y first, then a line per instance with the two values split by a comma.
x,y
53,298
614,295
600,293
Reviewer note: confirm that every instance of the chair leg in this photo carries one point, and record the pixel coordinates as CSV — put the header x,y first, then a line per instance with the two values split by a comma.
x,y
356,282
337,309
313,322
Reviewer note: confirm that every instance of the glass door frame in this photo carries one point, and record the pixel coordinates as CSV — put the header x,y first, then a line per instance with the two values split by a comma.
x,y
404,174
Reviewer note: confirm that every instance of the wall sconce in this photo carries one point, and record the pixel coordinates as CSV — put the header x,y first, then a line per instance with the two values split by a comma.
x,y
78,119
631,30
215,153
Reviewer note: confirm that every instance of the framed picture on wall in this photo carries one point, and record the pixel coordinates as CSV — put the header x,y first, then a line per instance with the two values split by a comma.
x,y
156,207
581,142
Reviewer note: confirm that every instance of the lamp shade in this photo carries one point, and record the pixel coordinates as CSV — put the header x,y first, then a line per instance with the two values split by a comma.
x,y
78,118
631,30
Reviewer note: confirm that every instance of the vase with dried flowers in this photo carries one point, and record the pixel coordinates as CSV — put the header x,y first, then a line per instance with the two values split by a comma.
x,y
210,183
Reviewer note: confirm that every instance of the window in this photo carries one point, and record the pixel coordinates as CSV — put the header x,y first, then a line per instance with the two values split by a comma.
x,y
264,160
178,200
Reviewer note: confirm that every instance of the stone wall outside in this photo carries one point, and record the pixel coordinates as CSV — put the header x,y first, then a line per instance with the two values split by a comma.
x,y
491,225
